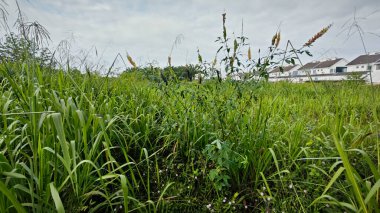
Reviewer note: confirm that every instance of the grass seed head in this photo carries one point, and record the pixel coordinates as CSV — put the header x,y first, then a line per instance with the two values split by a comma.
x,y
170,61
214,62
274,39
249,53
317,36
131,61
278,38
200,60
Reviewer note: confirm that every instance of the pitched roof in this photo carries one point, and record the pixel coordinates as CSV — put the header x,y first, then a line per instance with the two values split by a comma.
x,y
365,59
285,69
309,65
320,64
329,63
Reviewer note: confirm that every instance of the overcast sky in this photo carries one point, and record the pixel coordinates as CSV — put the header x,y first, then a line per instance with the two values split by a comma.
x,y
147,29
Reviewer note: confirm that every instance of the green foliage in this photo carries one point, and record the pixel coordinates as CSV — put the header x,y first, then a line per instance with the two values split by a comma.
x,y
18,49
71,142
222,158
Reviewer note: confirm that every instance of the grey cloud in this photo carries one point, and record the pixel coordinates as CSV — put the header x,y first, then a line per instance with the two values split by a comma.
x,y
147,29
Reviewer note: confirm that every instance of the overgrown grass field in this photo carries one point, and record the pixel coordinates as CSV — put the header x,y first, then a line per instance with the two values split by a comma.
x,y
85,143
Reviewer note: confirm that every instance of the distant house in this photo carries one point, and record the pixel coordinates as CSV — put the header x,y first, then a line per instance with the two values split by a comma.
x,y
324,70
278,74
365,65
329,70
328,66
306,69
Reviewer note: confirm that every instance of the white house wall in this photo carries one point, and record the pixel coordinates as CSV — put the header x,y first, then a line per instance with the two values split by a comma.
x,y
376,73
329,70
357,68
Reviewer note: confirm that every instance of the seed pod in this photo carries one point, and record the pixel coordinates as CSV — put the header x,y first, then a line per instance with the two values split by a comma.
x,y
170,61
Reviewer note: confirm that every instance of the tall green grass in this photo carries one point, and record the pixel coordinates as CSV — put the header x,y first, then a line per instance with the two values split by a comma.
x,y
71,143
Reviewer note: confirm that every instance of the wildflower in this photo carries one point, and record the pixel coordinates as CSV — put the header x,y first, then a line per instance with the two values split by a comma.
x,y
196,178
229,203
208,206
246,207
327,205
224,200
305,191
261,193
264,188
268,198
291,186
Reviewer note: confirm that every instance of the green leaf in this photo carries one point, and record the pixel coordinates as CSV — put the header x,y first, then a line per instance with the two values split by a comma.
x,y
4,190
213,174
14,175
372,192
57,199
124,186
62,139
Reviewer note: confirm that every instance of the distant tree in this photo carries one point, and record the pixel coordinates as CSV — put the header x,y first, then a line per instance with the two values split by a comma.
x,y
18,49
186,72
